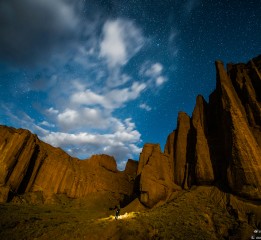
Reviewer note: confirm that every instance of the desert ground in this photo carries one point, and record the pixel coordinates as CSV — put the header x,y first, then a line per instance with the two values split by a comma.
x,y
200,213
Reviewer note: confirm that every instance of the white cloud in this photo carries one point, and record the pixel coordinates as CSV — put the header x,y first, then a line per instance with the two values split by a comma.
x,y
68,117
85,121
82,116
118,97
29,123
89,97
124,133
145,106
73,119
113,47
117,78
135,149
112,99
119,139
160,80
120,143
122,165
122,39
23,120
37,129
46,124
51,110
154,72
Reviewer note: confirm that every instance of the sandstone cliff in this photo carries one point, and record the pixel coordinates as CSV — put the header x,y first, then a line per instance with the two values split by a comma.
x,y
219,145
242,151
28,165
155,173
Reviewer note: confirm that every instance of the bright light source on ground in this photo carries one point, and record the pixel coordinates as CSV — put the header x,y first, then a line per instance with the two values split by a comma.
x,y
121,217
126,215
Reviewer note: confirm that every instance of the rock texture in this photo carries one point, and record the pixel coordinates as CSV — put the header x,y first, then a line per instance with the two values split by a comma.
x,y
181,157
243,155
155,171
203,166
28,165
219,145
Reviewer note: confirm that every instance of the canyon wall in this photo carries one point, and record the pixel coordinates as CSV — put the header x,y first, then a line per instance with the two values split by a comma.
x,y
29,165
219,145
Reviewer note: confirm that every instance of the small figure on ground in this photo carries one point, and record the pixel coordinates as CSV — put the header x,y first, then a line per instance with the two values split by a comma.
x,y
117,213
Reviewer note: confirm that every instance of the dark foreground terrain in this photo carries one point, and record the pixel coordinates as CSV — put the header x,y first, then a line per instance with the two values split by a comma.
x,y
201,213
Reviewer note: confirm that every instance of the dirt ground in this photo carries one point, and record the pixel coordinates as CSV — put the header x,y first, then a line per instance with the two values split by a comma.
x,y
195,214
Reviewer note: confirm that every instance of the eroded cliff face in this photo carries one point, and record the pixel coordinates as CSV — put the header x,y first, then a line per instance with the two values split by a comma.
x,y
28,165
219,145
155,173
240,120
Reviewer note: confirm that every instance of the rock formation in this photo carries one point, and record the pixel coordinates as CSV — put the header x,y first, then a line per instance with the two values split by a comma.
x,y
219,145
28,164
243,154
203,167
155,171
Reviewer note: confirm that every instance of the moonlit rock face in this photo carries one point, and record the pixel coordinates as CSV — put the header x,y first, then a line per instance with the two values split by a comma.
x,y
240,115
220,144
156,175
28,164
204,173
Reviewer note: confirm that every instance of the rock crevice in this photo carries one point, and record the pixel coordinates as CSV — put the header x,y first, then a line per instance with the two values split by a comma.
x,y
220,144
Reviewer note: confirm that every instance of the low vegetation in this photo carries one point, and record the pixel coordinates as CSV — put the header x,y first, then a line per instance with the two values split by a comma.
x,y
196,214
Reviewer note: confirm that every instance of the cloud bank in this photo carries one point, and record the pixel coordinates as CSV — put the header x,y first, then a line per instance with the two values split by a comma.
x,y
31,30
80,79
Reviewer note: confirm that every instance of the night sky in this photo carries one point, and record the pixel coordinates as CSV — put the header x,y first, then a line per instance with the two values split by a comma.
x,y
108,76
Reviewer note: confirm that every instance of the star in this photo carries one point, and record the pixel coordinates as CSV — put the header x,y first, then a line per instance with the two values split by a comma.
x,y
109,75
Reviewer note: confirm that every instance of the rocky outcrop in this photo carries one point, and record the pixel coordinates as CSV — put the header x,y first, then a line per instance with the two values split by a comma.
x,y
181,161
224,135
220,144
155,171
202,162
169,146
243,155
28,165
131,167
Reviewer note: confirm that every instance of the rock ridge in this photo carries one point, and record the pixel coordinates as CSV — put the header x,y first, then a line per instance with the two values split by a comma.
x,y
30,165
220,145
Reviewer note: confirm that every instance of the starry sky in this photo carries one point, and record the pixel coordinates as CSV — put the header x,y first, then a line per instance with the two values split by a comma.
x,y
108,76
